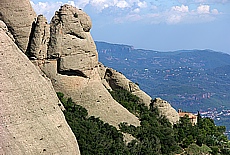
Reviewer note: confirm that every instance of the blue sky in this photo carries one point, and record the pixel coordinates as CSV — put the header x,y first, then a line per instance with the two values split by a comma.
x,y
163,25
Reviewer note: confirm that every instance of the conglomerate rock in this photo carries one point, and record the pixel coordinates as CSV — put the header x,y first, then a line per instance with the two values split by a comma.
x,y
19,17
31,121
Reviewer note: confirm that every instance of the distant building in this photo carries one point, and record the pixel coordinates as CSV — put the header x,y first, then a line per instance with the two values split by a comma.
x,y
192,117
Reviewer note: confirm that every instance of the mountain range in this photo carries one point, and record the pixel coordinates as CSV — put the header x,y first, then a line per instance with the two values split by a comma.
x,y
192,80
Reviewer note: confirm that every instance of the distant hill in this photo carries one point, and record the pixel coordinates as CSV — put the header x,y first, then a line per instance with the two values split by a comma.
x,y
189,79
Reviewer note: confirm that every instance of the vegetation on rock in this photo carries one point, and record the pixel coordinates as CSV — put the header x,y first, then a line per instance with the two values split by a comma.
x,y
155,135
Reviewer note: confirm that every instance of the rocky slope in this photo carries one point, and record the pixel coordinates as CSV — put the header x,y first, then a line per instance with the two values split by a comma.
x,y
31,121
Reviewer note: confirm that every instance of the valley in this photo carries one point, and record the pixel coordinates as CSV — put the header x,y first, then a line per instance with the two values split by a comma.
x,y
192,80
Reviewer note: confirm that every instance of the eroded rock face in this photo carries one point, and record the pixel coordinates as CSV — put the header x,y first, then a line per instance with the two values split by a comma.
x,y
167,110
40,39
31,121
71,41
89,93
18,16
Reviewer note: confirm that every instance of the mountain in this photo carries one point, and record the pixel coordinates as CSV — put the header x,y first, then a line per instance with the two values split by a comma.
x,y
191,80
106,112
39,58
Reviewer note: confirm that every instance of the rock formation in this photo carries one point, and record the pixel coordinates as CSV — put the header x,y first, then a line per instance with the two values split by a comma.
x,y
72,66
31,121
71,41
19,17
116,80
166,110
40,38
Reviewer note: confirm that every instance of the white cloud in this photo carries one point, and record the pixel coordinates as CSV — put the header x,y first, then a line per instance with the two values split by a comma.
x,y
134,10
71,3
137,10
46,8
142,4
174,19
122,4
203,9
81,3
181,8
215,11
204,1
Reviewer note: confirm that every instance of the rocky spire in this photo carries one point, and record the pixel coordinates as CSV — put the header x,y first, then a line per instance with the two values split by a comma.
x,y
40,38
71,41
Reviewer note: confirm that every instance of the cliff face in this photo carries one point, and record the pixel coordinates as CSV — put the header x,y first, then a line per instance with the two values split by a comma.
x,y
19,17
31,121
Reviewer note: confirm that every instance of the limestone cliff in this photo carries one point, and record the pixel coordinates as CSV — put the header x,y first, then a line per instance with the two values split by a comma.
x,y
40,38
19,17
31,121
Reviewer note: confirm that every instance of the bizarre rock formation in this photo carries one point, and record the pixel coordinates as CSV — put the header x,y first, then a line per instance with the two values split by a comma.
x,y
72,66
71,41
31,121
74,69
18,16
40,38
166,110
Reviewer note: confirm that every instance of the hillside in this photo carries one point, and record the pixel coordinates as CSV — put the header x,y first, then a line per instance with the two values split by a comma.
x,y
189,79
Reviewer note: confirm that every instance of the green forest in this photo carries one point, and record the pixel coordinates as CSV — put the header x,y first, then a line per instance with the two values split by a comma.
x,y
155,136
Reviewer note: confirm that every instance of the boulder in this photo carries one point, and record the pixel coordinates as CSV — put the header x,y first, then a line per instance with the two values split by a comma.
x,y
19,17
31,121
117,80
166,110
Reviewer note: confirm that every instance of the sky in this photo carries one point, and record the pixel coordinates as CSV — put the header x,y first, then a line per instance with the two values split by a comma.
x,y
161,25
